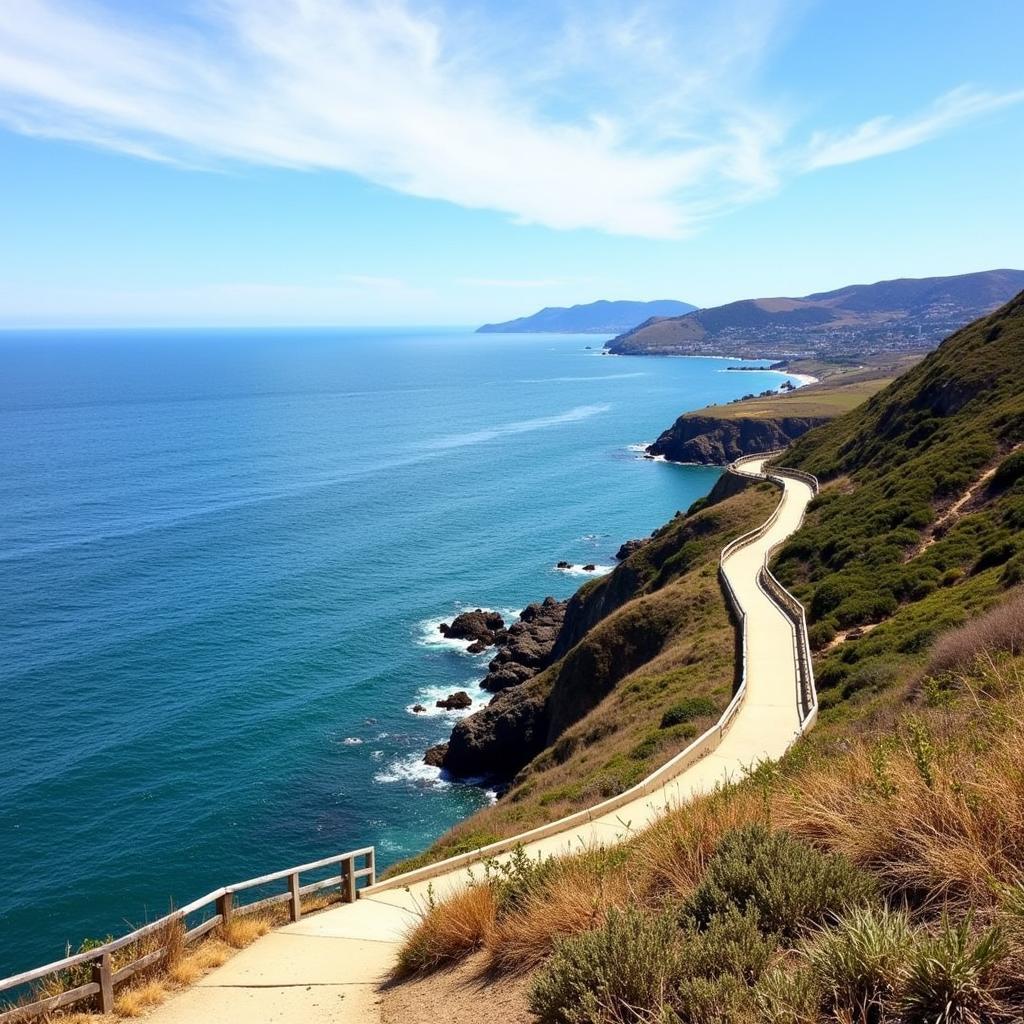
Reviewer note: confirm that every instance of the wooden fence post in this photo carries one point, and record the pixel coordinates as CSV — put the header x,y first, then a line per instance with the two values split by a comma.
x,y
102,975
294,905
225,907
348,879
372,865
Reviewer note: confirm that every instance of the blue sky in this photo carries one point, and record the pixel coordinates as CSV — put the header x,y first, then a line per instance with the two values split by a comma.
x,y
341,162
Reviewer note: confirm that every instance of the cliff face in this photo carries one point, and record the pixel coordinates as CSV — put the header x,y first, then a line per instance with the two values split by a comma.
x,y
710,441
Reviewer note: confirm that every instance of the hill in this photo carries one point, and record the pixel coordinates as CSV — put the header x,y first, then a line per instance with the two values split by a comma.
x,y
874,874
601,317
902,315
718,434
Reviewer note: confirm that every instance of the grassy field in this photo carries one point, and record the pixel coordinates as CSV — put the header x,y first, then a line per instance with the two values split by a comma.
x,y
840,389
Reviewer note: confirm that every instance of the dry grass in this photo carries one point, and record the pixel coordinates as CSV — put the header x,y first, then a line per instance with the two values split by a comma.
x,y
135,1000
999,629
448,931
243,930
576,897
937,811
672,854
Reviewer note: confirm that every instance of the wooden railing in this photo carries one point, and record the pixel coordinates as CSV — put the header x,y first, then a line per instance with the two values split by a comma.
x,y
224,904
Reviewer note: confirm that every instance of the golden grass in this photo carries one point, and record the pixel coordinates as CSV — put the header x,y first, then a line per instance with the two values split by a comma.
x,y
448,931
244,929
671,855
934,810
135,1000
577,897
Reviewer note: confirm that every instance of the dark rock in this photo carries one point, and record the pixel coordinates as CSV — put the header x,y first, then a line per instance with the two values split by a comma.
x,y
499,739
710,440
589,567
418,709
564,565
477,647
435,755
474,625
457,701
629,547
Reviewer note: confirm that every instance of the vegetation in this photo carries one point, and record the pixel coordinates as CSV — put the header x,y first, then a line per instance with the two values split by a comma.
x,y
835,394
884,885
920,523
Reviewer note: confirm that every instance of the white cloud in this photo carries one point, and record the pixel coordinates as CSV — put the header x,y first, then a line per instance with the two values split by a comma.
x,y
628,118
882,135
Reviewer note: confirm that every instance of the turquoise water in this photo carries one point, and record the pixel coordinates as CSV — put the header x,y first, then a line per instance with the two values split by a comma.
x,y
223,556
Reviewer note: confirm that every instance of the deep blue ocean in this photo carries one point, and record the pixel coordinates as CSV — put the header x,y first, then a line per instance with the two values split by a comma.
x,y
223,559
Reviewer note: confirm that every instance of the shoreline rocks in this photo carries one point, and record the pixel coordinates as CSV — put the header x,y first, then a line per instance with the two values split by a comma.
x,y
458,701
490,742
483,628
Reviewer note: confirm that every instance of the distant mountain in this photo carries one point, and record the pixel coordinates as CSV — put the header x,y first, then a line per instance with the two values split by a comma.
x,y
602,317
903,315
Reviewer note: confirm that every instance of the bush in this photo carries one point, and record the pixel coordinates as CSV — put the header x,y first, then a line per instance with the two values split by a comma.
x,y
687,710
858,963
789,884
788,997
999,629
597,976
949,978
1010,470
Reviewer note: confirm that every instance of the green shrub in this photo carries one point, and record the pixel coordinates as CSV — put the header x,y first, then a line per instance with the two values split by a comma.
x,y
731,942
821,634
789,884
596,977
687,710
516,878
1010,470
788,997
724,999
858,964
949,978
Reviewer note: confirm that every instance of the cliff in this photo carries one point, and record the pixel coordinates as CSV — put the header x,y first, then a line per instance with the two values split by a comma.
x,y
712,441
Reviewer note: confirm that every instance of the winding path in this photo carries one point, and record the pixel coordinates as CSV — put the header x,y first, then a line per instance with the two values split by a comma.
x,y
328,966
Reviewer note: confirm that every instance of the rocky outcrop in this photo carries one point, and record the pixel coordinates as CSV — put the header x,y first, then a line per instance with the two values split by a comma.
x,y
713,441
482,627
458,701
435,755
526,646
498,740
629,547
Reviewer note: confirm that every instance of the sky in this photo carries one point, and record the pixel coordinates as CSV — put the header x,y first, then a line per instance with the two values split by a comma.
x,y
355,162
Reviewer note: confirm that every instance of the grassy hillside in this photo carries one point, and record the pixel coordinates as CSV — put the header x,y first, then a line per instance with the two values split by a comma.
x,y
919,522
828,398
653,668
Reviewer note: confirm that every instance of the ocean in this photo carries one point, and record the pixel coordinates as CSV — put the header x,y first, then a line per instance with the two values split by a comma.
x,y
223,559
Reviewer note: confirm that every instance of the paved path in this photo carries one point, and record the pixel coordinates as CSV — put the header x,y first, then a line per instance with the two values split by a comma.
x,y
327,967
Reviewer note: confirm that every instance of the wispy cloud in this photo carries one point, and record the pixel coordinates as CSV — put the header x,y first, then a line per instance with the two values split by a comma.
x,y
587,117
882,135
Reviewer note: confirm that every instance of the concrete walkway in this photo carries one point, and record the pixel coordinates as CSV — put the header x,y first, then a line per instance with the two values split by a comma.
x,y
327,967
